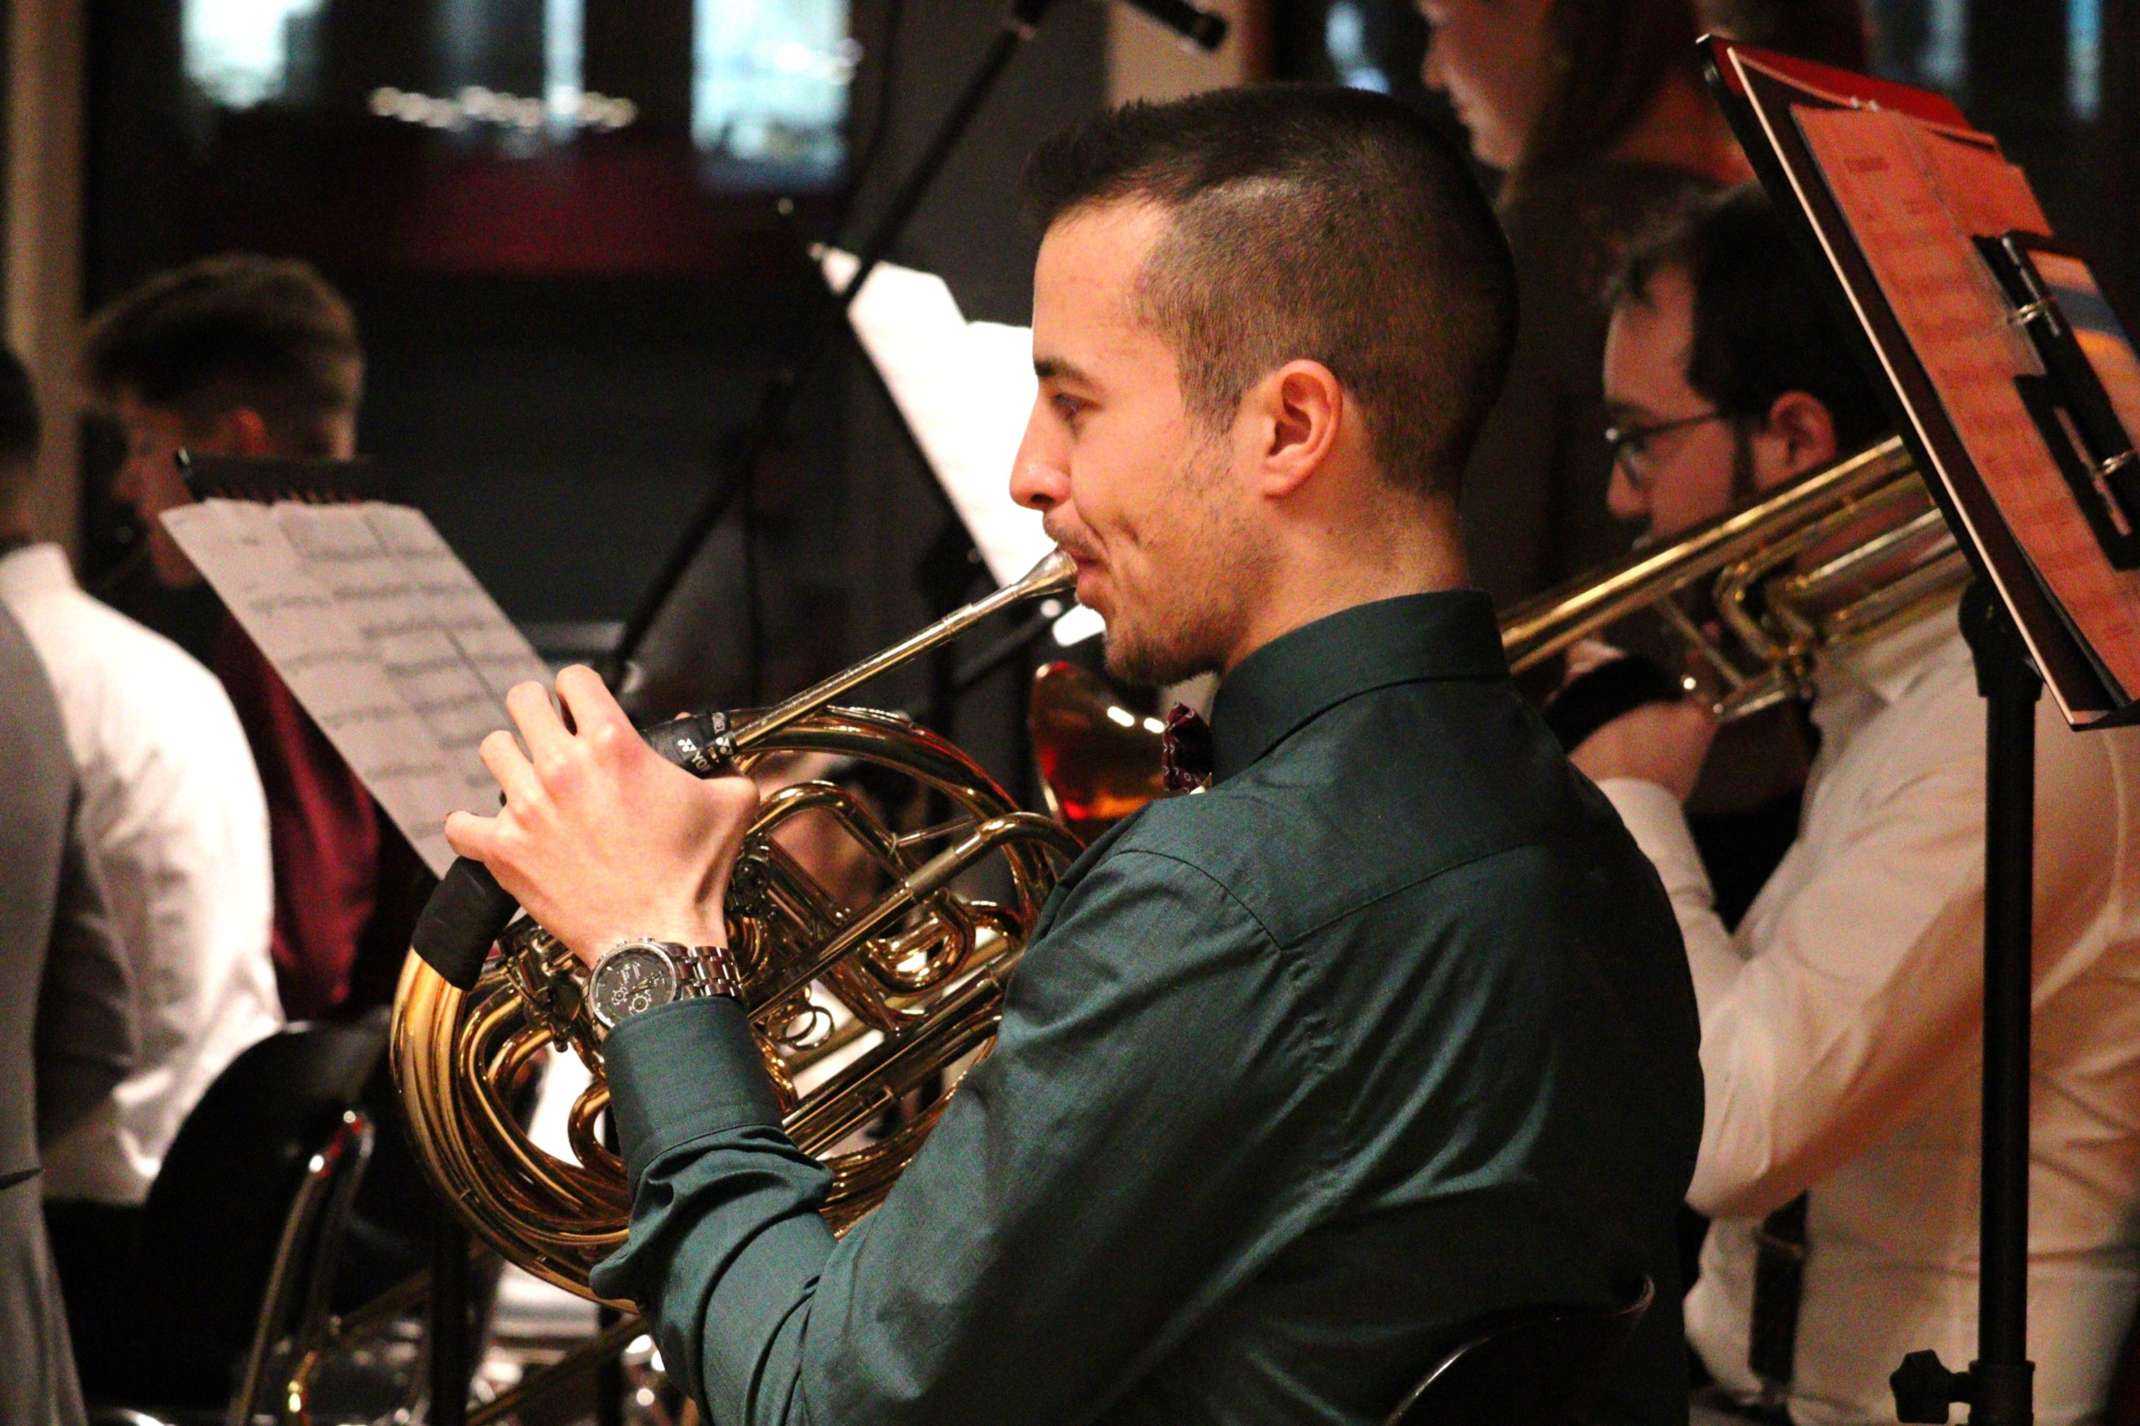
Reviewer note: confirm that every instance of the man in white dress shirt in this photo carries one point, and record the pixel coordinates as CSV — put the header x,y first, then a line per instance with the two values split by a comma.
x,y
1842,1020
177,825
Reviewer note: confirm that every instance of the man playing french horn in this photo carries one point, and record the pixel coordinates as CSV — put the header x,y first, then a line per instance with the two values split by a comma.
x,y
1388,1029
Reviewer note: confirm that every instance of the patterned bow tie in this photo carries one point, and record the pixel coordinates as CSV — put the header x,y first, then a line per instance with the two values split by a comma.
x,y
1185,750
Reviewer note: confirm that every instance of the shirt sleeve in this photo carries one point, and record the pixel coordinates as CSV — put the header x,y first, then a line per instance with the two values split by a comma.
x,y
87,1036
1835,1017
1113,1108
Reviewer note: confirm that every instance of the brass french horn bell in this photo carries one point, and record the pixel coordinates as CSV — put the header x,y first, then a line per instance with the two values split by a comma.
x,y
919,969
1098,758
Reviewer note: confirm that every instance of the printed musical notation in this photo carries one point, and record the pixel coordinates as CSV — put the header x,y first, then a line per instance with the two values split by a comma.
x,y
383,635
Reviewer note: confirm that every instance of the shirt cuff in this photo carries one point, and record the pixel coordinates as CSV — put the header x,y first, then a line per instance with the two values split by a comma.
x,y
681,1072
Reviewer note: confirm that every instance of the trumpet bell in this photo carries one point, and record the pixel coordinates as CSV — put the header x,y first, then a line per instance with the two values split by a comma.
x,y
1098,760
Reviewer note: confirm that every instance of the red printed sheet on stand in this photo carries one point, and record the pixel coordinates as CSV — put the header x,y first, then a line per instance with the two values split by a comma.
x,y
1896,192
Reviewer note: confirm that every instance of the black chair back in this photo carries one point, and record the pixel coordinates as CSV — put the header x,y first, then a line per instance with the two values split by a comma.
x,y
1529,1366
216,1214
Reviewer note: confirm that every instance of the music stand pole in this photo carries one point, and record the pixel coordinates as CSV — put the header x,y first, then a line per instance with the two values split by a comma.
x,y
1998,1386
1020,24
451,1368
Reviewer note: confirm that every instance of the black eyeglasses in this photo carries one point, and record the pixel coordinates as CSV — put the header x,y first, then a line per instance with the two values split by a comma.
x,y
1630,444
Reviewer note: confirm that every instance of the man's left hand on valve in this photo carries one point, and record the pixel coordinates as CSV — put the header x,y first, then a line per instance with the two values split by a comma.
x,y
600,838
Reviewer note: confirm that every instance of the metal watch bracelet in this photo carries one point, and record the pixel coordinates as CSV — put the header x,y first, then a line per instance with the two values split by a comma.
x,y
707,970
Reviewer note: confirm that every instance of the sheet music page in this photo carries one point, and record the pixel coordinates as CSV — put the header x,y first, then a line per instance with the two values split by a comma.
x,y
342,679
1913,200
500,655
373,592
1984,193
965,389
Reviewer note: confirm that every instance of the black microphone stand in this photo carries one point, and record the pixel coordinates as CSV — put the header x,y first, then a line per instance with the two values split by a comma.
x,y
1020,23
1998,1385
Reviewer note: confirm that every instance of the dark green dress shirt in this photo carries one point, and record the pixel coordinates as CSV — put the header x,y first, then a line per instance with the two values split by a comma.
x,y
1388,1029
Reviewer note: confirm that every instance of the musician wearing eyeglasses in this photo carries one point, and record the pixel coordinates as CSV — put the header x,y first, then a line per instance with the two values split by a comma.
x,y
1388,1029
1841,1020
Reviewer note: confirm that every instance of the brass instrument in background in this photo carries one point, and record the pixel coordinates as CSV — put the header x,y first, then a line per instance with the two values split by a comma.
x,y
922,966
1833,558
1829,560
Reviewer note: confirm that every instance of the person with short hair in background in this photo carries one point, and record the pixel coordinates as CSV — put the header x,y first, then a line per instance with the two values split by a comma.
x,y
243,355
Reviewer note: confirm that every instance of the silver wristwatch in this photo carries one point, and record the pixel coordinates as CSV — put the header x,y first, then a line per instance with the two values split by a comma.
x,y
635,976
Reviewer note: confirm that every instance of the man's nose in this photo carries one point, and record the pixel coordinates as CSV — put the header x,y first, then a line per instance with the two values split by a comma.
x,y
1039,480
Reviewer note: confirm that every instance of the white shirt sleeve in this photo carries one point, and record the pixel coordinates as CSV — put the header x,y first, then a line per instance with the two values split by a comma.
x,y
1854,989
176,823
1859,998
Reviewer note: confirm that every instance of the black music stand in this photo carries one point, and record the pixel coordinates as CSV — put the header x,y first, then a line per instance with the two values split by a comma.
x,y
2021,631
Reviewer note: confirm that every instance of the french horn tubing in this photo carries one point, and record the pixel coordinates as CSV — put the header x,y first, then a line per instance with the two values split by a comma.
x,y
920,970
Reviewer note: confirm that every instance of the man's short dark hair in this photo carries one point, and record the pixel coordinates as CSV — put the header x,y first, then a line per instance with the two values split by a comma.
x,y
231,331
1309,222
1761,321
18,426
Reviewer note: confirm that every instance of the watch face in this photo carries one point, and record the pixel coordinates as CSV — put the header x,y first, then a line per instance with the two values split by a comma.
x,y
630,980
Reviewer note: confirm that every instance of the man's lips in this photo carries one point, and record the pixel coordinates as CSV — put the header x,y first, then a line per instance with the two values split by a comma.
x,y
1088,568
1083,559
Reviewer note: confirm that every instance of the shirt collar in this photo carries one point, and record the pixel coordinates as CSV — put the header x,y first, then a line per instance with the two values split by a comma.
x,y
1301,674
35,569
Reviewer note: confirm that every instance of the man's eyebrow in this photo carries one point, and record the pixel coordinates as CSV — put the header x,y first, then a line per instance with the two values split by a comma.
x,y
1056,369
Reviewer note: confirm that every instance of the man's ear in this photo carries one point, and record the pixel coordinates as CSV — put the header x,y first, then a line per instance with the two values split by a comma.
x,y
240,431
1803,424
1303,407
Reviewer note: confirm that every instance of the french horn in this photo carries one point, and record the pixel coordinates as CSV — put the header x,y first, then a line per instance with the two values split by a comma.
x,y
919,971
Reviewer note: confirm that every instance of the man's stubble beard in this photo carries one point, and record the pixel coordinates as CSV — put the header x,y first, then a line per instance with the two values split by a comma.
x,y
1209,598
